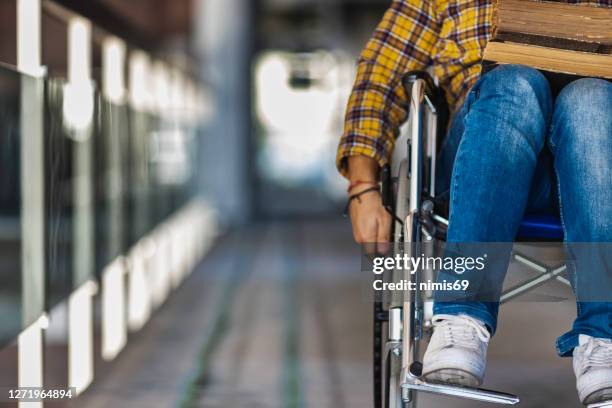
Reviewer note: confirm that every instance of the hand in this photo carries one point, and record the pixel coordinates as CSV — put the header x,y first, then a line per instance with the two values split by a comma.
x,y
370,220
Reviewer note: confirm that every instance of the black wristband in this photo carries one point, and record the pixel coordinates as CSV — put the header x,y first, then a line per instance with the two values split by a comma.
x,y
356,196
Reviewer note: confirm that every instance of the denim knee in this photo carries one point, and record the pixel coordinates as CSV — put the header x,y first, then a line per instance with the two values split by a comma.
x,y
518,95
592,92
528,86
582,114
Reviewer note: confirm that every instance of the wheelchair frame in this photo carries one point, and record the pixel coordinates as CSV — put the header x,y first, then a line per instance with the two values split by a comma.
x,y
397,367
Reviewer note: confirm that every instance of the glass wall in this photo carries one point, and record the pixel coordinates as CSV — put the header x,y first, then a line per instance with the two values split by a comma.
x,y
99,216
106,186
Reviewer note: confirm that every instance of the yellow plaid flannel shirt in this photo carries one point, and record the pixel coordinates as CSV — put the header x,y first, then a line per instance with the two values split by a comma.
x,y
447,36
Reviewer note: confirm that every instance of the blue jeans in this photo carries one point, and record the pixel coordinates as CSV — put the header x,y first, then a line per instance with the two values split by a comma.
x,y
513,148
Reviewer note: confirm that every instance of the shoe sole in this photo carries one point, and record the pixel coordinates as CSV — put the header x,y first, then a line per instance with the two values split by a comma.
x,y
453,376
599,396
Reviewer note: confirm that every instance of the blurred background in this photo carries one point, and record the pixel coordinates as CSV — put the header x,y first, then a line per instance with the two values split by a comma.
x,y
170,213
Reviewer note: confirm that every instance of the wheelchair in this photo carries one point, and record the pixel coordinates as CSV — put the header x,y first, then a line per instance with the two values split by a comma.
x,y
408,192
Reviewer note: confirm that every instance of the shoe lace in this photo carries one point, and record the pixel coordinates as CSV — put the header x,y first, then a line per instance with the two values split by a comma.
x,y
461,330
598,353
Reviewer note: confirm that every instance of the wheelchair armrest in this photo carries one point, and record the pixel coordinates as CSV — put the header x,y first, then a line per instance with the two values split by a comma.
x,y
411,77
435,95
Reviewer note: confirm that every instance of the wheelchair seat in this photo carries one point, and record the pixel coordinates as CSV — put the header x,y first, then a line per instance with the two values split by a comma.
x,y
540,227
533,227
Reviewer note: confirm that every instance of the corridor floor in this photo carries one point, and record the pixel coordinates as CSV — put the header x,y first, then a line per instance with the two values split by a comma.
x,y
273,317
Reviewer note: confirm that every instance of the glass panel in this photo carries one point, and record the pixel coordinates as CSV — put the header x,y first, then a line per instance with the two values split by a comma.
x,y
10,219
139,194
110,168
58,193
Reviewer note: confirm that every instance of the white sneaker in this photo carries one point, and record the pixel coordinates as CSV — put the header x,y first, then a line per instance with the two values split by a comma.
x,y
457,351
593,369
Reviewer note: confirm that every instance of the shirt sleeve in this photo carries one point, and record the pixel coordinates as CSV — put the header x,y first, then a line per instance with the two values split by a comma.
x,y
402,42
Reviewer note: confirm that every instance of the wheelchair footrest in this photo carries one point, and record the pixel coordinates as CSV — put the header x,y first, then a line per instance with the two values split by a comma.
x,y
478,394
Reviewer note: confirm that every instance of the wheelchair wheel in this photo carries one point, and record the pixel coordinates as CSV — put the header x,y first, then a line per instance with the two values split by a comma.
x,y
393,369
388,352
402,202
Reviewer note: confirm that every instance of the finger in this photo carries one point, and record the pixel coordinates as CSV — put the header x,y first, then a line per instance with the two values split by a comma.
x,y
383,233
368,236
369,248
357,236
369,229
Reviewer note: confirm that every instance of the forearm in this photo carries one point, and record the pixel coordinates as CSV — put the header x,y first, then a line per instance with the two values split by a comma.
x,y
362,168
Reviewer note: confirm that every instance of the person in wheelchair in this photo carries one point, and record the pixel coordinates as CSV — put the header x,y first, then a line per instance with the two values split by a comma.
x,y
512,147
